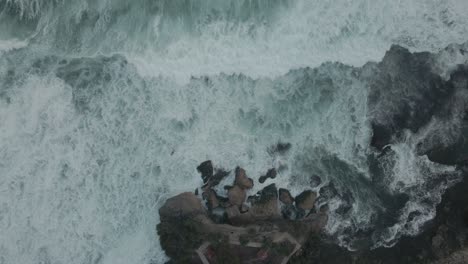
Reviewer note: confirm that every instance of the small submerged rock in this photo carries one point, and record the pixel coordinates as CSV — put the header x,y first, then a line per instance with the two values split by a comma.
x,y
271,174
280,148
315,181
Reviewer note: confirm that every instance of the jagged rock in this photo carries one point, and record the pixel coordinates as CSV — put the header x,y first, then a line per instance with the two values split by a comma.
x,y
327,193
306,200
218,177
183,204
268,193
206,170
285,196
236,195
280,148
404,94
242,180
265,203
271,173
315,181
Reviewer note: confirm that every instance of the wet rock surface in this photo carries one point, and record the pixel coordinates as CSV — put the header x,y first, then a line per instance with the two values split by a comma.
x,y
306,200
285,197
443,241
206,170
242,180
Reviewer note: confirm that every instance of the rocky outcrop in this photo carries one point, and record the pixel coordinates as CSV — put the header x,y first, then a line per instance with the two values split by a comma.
x,y
237,196
285,197
410,91
191,233
405,93
206,170
242,180
306,200
184,204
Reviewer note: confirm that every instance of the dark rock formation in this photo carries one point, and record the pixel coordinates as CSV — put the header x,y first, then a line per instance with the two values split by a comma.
x,y
280,148
450,146
285,196
306,200
184,204
268,193
439,243
179,231
219,175
405,93
315,181
206,170
271,174
242,180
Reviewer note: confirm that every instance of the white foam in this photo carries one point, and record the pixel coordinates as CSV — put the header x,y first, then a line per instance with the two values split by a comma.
x,y
78,188
11,44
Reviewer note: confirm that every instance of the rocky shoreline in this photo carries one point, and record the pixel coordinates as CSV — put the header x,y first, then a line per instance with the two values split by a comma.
x,y
270,226
416,100
226,230
444,239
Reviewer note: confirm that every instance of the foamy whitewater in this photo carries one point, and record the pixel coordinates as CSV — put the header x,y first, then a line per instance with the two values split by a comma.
x,y
107,107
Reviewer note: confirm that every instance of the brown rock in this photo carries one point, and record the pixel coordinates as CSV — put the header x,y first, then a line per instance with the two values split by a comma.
x,y
242,180
285,196
265,203
306,200
236,195
212,199
185,203
233,211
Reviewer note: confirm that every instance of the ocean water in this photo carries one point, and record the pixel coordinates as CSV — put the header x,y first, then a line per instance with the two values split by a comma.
x,y
107,107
